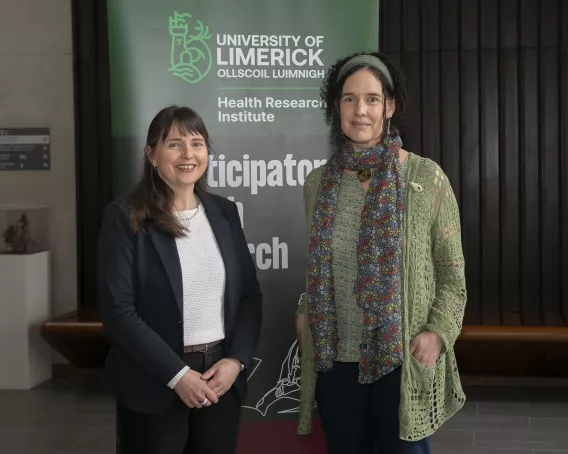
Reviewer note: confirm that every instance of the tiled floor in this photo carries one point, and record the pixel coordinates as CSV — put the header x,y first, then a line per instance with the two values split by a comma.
x,y
64,418
55,419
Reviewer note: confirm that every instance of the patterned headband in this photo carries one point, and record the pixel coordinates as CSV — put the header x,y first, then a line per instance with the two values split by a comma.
x,y
368,60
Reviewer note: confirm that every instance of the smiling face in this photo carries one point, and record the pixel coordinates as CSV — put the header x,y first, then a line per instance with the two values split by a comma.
x,y
362,109
180,159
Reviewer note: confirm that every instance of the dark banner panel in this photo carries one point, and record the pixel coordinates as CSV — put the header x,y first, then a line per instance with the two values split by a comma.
x,y
253,70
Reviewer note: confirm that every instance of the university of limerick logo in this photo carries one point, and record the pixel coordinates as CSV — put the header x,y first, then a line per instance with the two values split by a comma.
x,y
190,55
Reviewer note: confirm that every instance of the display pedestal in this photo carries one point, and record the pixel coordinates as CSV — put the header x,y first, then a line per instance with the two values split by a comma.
x,y
25,294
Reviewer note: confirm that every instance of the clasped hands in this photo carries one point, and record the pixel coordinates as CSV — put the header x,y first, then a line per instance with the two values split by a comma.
x,y
201,390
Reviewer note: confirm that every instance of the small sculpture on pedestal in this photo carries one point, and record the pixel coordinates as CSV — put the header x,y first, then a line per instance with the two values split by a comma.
x,y
17,237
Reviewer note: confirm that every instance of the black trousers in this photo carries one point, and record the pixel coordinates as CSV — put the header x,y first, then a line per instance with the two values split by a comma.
x,y
362,419
180,430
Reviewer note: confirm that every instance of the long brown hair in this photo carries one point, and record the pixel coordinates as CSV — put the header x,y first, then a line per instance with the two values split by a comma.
x,y
152,199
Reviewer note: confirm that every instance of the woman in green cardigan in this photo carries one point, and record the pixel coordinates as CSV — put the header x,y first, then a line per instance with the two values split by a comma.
x,y
385,289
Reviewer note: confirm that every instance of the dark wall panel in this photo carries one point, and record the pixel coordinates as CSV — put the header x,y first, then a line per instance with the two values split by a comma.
x,y
488,100
563,139
92,132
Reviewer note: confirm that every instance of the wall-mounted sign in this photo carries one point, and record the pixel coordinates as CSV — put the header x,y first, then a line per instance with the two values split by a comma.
x,y
25,149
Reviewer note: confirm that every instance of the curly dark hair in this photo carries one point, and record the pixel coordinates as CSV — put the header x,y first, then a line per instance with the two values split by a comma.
x,y
332,89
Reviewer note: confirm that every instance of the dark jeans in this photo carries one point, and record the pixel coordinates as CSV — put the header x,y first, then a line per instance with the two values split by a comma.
x,y
362,419
180,430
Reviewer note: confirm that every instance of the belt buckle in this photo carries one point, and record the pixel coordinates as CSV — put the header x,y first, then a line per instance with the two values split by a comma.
x,y
206,346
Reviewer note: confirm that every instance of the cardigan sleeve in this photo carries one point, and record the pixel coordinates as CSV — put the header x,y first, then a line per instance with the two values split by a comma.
x,y
310,193
446,314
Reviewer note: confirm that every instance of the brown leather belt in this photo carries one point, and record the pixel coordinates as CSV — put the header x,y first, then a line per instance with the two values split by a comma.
x,y
200,347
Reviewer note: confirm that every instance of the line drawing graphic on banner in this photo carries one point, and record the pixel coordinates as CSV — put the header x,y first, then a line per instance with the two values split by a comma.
x,y
288,385
190,56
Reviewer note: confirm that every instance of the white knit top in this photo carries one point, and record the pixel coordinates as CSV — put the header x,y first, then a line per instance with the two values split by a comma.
x,y
203,276
203,279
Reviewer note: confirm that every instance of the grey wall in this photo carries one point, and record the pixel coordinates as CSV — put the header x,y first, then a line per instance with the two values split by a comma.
x,y
36,90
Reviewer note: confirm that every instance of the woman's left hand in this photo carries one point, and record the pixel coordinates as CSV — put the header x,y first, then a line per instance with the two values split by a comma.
x,y
426,348
221,376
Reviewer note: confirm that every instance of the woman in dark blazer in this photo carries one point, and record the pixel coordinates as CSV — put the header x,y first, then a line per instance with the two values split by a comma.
x,y
179,298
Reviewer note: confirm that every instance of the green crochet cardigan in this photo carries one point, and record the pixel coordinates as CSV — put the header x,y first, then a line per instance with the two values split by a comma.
x,y
434,298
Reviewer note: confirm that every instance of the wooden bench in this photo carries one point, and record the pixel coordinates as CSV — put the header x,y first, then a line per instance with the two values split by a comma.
x,y
486,333
513,351
79,337
481,349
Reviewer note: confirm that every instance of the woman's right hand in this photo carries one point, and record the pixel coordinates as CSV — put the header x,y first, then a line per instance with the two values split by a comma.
x,y
193,390
300,328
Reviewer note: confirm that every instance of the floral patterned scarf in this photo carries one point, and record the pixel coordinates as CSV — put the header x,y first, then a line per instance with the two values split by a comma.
x,y
379,261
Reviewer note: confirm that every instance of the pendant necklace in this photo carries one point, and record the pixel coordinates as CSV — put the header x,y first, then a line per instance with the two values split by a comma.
x,y
198,205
